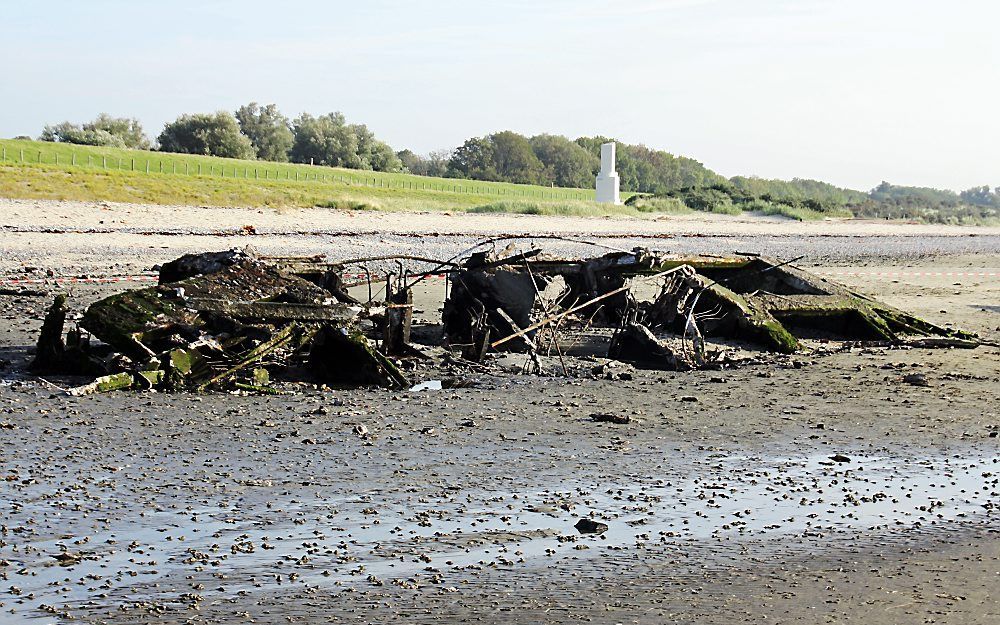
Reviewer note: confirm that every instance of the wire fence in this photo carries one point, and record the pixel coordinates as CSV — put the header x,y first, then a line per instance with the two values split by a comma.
x,y
190,165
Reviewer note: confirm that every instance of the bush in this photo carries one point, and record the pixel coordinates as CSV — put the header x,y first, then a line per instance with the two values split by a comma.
x,y
268,130
212,134
708,199
106,131
72,133
726,209
350,205
329,140
803,213
515,207
654,204
560,209
128,130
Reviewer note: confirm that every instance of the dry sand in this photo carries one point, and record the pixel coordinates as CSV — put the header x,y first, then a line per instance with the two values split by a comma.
x,y
460,504
44,214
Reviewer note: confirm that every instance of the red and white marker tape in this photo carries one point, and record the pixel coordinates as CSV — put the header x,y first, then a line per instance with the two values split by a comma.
x,y
908,274
149,278
73,280
376,277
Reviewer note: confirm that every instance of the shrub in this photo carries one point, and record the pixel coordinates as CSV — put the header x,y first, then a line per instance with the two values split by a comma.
x,y
654,204
213,134
107,131
350,205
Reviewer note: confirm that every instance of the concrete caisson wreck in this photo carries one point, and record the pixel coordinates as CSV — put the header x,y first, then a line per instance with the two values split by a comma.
x,y
239,320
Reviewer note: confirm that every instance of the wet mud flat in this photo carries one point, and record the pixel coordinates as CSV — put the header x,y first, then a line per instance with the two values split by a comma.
x,y
165,509
818,488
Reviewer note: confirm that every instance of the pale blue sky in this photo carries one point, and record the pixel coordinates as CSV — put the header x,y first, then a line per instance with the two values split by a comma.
x,y
849,91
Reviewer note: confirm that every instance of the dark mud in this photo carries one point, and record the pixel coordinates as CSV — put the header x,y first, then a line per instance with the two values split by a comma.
x,y
820,488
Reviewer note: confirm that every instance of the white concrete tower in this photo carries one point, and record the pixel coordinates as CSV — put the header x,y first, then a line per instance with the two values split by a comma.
x,y
607,180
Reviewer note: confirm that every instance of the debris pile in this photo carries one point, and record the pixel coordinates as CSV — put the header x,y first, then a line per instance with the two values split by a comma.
x,y
237,320
652,300
222,319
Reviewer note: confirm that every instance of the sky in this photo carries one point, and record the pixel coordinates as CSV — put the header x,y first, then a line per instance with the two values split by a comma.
x,y
852,92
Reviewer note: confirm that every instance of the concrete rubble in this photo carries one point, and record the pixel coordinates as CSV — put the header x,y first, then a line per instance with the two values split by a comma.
x,y
240,321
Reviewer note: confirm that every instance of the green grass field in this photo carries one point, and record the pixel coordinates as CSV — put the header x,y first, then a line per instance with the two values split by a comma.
x,y
61,171
44,170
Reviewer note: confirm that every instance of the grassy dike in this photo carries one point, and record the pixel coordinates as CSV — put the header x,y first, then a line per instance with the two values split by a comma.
x,y
43,170
60,171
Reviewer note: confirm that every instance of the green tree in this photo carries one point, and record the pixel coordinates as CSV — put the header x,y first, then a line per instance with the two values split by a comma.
x,y
105,130
67,132
514,160
646,170
412,162
325,140
129,130
473,160
981,196
215,134
437,163
434,164
268,130
374,154
329,140
566,163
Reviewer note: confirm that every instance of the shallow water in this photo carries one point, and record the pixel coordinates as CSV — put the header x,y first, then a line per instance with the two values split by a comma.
x,y
159,555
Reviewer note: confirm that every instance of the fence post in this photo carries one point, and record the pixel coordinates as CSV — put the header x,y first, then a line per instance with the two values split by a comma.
x,y
104,161
199,169
73,157
147,165
22,155
133,164
5,154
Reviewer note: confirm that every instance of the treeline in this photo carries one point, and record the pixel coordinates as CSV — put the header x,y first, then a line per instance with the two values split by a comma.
x,y
887,201
806,199
263,132
798,199
555,160
252,132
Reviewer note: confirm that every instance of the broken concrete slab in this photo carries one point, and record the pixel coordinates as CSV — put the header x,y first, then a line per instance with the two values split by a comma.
x,y
500,300
637,345
191,265
51,347
747,298
339,356
105,384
